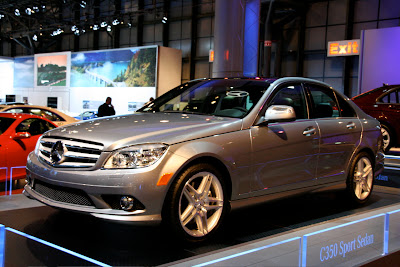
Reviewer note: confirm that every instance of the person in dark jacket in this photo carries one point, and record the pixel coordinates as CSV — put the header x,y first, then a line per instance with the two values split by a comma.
x,y
106,109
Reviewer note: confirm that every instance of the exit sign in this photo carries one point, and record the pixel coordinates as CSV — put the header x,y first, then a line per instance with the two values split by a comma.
x,y
344,48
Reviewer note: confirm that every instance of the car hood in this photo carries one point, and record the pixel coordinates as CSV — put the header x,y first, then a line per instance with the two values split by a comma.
x,y
169,128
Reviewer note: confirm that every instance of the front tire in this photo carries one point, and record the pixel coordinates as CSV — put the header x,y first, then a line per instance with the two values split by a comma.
x,y
196,204
360,181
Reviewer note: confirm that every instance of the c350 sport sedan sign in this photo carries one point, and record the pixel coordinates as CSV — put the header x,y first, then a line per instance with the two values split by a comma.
x,y
207,146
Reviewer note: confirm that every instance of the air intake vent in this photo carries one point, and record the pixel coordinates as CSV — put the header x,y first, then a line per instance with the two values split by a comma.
x,y
61,194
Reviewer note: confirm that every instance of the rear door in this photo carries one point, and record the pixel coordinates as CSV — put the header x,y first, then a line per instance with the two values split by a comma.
x,y
340,132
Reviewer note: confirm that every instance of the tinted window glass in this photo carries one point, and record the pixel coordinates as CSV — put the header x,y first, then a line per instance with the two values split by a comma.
x,y
5,123
324,102
291,95
227,98
34,126
391,98
345,109
43,113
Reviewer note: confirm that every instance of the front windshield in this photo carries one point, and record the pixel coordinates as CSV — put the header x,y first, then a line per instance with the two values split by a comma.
x,y
225,97
5,123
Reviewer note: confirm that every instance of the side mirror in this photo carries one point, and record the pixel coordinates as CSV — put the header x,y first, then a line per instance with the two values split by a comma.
x,y
21,135
279,113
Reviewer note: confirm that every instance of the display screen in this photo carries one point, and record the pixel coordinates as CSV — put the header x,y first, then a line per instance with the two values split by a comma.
x,y
133,67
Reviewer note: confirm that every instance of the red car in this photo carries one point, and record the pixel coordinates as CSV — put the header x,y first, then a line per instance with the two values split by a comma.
x,y
383,104
18,136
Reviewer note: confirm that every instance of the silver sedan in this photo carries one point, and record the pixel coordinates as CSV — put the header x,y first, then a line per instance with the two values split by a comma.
x,y
207,146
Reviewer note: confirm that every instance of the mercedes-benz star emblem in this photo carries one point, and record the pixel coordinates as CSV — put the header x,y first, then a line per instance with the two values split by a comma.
x,y
57,153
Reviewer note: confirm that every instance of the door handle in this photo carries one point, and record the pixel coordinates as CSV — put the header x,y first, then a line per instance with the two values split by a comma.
x,y
309,131
351,125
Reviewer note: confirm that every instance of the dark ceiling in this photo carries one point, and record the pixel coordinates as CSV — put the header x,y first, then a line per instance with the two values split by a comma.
x,y
30,22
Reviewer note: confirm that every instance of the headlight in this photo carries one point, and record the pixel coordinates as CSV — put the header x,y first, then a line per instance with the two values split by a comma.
x,y
135,157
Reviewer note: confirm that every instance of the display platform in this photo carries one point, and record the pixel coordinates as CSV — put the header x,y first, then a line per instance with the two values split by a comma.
x,y
34,234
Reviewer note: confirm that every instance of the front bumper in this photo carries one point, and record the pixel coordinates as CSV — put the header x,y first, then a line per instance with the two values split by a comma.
x,y
97,186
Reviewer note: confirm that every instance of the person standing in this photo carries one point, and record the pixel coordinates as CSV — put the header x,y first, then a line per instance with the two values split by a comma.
x,y
106,109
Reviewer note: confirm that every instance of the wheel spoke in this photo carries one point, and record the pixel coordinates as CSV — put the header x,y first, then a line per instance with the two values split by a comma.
x,y
358,190
190,194
205,186
188,215
367,171
216,203
366,187
201,221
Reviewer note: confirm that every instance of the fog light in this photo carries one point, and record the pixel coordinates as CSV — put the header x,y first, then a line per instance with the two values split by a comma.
x,y
126,202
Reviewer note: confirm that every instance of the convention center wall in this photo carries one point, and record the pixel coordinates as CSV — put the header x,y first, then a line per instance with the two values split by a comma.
x,y
82,81
379,58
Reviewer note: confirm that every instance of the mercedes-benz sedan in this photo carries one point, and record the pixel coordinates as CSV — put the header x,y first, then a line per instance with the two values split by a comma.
x,y
207,146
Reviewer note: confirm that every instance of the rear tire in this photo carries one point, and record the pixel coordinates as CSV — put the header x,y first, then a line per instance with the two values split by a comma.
x,y
386,137
196,203
360,181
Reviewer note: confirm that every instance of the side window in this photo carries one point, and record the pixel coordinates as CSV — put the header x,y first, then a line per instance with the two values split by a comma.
x,y
44,113
324,103
24,125
345,109
391,98
14,110
34,126
291,95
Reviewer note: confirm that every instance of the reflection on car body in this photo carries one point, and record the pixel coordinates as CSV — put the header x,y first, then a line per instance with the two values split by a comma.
x,y
18,136
207,146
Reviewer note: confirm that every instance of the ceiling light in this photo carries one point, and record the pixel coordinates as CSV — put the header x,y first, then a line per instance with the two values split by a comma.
x,y
34,38
73,28
16,12
28,11
103,24
35,9
1,16
76,32
129,25
109,28
95,27
115,22
164,19
83,4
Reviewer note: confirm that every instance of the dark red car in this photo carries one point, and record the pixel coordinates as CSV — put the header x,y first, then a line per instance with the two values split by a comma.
x,y
18,136
383,104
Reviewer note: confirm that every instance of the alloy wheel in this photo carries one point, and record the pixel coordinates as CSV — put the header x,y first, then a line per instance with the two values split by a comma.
x,y
363,178
201,204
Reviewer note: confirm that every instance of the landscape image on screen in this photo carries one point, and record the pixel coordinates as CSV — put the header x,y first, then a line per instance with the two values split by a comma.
x,y
24,72
52,70
134,67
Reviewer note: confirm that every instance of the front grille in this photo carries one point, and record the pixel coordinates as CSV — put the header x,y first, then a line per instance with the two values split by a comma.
x,y
62,194
76,153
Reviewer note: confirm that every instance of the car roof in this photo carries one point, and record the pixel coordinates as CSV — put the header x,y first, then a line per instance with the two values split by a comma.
x,y
20,116
377,91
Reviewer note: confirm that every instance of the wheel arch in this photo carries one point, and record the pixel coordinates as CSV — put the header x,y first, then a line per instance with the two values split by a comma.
x,y
366,150
202,159
391,129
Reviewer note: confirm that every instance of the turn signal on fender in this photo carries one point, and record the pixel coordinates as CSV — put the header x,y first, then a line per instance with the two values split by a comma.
x,y
164,179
